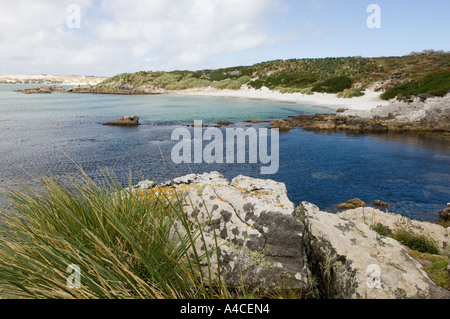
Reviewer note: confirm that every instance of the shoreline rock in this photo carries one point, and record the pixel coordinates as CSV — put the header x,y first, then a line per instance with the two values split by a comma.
x,y
125,121
44,90
264,241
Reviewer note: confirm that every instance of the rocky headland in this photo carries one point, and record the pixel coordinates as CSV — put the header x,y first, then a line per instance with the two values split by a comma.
x,y
264,241
432,114
87,89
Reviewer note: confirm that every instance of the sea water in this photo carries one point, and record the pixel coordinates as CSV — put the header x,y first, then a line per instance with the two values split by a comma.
x,y
52,133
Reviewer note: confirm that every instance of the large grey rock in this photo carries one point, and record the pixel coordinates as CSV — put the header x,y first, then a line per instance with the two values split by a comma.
x,y
394,222
259,238
351,261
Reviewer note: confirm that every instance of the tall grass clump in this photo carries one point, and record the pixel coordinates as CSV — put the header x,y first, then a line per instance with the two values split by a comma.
x,y
420,243
350,93
127,244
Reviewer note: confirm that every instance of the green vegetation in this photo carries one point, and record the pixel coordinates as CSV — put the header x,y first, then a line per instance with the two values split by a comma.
x,y
419,243
382,230
435,267
127,245
424,249
333,85
414,74
435,83
349,93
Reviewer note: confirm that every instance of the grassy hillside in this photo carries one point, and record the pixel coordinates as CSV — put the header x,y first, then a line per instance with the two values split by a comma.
x,y
330,75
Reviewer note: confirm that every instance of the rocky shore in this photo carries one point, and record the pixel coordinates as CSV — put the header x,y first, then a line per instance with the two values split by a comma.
x,y
265,242
86,89
431,115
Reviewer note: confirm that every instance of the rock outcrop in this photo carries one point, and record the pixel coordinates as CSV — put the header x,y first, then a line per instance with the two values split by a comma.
x,y
281,125
264,242
102,90
44,90
416,116
351,261
259,238
125,121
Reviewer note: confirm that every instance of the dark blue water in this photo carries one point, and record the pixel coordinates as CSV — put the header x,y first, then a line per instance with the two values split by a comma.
x,y
49,133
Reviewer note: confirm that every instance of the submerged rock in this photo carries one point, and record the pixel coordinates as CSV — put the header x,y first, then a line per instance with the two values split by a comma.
x,y
380,203
353,203
223,123
125,121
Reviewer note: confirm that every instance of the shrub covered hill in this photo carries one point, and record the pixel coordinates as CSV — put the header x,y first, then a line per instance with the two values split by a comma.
x,y
417,74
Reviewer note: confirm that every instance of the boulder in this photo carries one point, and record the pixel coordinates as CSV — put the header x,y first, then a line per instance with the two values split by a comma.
x,y
223,123
125,121
380,203
254,121
444,215
259,238
351,204
351,261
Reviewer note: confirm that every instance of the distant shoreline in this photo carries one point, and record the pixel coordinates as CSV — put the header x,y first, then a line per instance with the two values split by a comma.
x,y
44,79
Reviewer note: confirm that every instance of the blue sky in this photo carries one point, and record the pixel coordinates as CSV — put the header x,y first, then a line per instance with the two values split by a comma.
x,y
126,36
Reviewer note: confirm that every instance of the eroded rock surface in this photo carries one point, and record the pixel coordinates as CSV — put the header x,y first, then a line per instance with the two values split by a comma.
x,y
259,238
352,261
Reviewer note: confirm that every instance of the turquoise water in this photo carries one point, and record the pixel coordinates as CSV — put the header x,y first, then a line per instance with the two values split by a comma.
x,y
48,133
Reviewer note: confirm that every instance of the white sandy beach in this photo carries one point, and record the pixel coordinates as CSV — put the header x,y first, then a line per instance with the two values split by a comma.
x,y
367,102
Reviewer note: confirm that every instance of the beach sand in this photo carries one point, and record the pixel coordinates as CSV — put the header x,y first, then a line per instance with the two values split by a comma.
x,y
367,102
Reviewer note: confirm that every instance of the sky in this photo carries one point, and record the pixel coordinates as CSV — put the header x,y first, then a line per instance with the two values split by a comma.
x,y
108,37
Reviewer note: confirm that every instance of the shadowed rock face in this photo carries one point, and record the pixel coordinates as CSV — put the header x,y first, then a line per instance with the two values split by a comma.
x,y
125,121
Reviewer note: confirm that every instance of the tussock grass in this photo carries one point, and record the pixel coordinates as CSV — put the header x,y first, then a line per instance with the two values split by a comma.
x,y
126,245
435,267
420,243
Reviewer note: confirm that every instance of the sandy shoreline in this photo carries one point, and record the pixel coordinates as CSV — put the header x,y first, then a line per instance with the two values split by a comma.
x,y
367,102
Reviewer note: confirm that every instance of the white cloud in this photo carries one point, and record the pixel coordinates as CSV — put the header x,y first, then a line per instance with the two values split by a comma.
x,y
118,36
